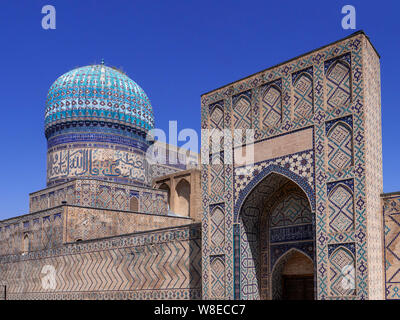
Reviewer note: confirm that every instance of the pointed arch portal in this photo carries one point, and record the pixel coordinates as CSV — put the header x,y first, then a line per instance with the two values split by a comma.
x,y
276,226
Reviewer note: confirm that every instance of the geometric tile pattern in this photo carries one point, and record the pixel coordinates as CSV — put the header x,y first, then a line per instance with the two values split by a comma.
x,y
96,121
340,146
217,117
218,277
291,211
303,95
372,132
217,227
217,181
271,114
242,111
300,163
280,206
99,194
216,125
338,82
341,208
98,91
104,197
342,272
391,213
290,233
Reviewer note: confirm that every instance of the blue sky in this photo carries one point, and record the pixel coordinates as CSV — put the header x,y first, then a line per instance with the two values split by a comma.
x,y
175,50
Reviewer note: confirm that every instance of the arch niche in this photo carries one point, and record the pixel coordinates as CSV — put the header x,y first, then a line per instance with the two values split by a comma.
x,y
183,198
276,235
165,187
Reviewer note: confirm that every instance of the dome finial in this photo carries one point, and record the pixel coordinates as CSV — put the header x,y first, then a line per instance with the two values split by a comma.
x,y
102,62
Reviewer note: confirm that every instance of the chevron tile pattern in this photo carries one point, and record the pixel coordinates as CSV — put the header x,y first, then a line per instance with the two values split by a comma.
x,y
163,264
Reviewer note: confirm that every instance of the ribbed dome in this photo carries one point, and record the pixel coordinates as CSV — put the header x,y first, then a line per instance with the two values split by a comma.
x,y
98,93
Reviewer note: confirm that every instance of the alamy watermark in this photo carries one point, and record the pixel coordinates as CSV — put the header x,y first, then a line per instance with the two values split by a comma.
x,y
349,20
237,144
348,280
49,20
49,279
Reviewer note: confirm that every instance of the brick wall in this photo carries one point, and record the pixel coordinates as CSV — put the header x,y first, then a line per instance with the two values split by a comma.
x,y
161,264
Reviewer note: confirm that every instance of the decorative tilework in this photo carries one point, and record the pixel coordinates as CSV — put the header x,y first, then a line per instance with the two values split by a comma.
x,y
391,214
217,264
242,115
291,211
217,180
264,238
217,235
271,114
256,176
338,82
99,194
345,83
96,122
341,206
163,264
340,144
303,95
342,265
98,92
217,116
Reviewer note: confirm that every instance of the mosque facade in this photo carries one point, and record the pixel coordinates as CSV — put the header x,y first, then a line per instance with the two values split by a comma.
x,y
306,219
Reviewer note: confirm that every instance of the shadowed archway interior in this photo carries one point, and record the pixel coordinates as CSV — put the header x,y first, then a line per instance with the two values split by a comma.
x,y
275,219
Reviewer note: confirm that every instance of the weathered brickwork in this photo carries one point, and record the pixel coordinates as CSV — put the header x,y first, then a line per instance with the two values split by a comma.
x,y
90,223
164,264
183,188
391,218
42,230
53,227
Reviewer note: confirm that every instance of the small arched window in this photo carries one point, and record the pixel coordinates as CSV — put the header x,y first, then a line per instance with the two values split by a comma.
x,y
134,204
25,243
183,192
165,187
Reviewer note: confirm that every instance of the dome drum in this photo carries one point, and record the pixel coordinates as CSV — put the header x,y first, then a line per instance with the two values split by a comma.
x,y
96,123
58,128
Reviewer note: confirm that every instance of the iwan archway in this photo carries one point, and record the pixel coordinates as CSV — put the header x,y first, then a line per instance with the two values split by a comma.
x,y
276,258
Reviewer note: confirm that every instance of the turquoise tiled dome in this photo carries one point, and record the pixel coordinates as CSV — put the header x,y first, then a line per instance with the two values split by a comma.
x,y
100,94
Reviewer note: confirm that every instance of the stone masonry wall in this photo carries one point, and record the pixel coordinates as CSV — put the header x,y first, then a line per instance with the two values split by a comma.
x,y
51,228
